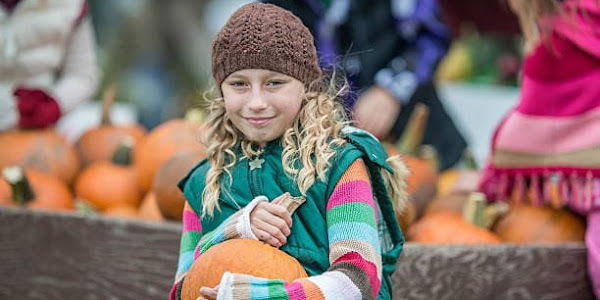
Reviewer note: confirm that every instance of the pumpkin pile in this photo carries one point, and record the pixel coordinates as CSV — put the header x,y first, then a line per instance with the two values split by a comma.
x,y
441,205
118,170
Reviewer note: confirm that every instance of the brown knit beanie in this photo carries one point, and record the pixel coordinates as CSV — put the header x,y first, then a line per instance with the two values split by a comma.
x,y
265,36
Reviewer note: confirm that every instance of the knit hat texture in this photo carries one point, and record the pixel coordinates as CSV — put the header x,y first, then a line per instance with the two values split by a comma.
x,y
265,36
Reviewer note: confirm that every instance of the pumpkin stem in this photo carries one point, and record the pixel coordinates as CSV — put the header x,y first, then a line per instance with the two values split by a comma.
x,y
474,210
122,155
21,190
493,212
412,136
108,97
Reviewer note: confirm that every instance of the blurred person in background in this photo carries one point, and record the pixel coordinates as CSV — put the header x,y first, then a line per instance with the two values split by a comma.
x,y
47,61
546,150
389,51
157,53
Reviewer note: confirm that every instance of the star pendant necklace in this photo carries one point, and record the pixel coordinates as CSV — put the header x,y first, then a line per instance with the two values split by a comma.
x,y
257,161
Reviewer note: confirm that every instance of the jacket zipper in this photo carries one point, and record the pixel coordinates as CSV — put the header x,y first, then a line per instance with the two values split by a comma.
x,y
255,165
254,188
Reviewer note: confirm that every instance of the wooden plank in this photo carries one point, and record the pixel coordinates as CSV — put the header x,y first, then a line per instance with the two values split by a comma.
x,y
532,271
67,256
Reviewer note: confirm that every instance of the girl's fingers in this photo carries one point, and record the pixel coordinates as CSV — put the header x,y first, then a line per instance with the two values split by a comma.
x,y
280,233
210,293
275,223
274,231
280,212
269,211
267,238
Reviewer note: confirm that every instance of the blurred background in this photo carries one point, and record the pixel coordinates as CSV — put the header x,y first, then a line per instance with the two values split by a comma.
x,y
155,56
158,55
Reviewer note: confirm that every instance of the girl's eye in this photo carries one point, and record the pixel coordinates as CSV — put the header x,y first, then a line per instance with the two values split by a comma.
x,y
237,84
275,82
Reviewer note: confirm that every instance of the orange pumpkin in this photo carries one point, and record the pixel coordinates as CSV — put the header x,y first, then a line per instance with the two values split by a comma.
x,y
242,256
469,226
105,184
39,190
169,197
42,150
161,144
528,224
101,142
98,144
447,227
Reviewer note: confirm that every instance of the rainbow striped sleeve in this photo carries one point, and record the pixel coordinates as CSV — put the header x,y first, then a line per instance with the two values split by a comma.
x,y
194,243
356,267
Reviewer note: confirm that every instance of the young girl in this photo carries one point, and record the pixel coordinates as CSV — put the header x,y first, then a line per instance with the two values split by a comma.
x,y
277,129
548,146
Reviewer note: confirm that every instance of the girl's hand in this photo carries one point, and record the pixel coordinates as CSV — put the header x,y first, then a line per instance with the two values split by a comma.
x,y
271,222
209,293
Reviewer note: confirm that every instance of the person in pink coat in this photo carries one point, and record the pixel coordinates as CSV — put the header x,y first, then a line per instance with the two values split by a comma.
x,y
546,150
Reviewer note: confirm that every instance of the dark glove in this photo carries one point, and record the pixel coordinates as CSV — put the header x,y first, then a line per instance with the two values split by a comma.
x,y
36,108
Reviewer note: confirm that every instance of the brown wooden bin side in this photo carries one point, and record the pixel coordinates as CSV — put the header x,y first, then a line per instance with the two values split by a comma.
x,y
65,256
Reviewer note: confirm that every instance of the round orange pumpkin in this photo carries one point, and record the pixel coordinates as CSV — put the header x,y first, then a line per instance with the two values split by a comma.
x,y
243,256
529,224
161,144
48,193
169,197
100,143
42,150
105,184
447,227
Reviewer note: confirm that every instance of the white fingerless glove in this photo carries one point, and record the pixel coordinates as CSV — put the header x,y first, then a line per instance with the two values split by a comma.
x,y
243,223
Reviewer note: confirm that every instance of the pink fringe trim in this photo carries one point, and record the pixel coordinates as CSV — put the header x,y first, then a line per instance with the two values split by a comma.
x,y
578,189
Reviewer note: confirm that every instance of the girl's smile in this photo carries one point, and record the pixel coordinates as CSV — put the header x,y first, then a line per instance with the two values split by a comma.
x,y
258,122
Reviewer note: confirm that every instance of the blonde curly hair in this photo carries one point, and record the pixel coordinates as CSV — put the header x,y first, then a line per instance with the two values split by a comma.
x,y
311,140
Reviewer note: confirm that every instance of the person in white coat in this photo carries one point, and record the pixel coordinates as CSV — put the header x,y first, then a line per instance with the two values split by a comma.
x,y
47,61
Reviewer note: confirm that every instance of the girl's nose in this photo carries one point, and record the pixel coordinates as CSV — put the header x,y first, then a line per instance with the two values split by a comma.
x,y
257,100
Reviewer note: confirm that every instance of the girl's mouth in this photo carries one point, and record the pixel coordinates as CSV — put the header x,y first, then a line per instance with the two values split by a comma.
x,y
258,121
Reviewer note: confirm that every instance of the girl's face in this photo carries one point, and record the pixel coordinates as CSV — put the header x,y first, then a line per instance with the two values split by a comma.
x,y
262,104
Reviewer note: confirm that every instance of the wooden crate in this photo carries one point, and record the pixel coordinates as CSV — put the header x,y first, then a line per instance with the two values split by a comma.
x,y
68,256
